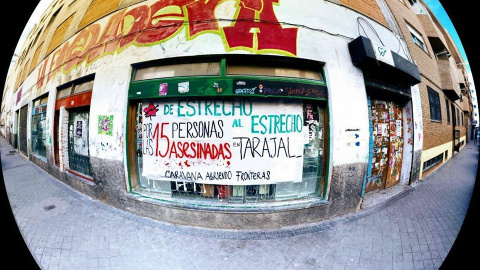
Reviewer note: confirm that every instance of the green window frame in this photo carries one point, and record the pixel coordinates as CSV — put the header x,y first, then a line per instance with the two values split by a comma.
x,y
207,86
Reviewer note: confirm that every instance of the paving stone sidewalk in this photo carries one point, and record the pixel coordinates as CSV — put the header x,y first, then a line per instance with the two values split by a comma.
x,y
65,229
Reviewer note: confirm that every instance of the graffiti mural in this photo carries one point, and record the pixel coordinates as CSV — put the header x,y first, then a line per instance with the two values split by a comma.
x,y
254,28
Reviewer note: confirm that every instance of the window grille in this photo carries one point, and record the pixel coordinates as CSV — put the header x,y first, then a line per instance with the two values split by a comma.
x,y
435,109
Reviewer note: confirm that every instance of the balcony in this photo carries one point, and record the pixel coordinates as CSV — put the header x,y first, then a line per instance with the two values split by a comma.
x,y
461,81
434,37
448,76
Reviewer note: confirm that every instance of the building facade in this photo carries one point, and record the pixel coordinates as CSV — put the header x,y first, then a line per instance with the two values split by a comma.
x,y
446,97
230,114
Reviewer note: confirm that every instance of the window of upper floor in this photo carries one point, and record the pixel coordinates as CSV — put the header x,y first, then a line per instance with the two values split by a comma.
x,y
417,7
417,38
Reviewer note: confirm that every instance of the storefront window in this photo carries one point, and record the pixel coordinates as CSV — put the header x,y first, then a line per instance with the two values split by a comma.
x,y
241,151
39,127
178,70
273,68
236,129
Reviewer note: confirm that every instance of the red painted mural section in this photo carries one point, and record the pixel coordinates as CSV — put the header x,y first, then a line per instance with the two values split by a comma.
x,y
270,34
148,25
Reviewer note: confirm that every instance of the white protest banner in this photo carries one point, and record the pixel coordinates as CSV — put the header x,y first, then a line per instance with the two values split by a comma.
x,y
226,142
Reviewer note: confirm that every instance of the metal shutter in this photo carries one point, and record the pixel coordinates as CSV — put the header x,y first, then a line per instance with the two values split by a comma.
x,y
23,130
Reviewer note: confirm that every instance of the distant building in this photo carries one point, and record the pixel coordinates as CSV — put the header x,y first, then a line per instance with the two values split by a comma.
x,y
237,114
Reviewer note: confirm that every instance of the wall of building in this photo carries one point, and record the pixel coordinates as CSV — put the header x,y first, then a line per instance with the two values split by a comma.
x,y
308,34
437,135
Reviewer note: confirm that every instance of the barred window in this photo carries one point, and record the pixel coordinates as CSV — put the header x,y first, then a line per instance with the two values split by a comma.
x,y
432,162
435,108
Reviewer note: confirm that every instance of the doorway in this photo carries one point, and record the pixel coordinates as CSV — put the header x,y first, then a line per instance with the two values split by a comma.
x,y
386,144
78,150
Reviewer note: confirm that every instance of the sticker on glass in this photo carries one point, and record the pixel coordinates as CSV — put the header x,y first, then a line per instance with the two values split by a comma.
x,y
184,87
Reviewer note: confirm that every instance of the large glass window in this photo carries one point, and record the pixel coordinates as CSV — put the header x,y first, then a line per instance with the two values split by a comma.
x,y
39,113
273,68
241,151
178,70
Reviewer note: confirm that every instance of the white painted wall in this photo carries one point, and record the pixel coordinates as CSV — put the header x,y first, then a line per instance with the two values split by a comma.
x,y
325,29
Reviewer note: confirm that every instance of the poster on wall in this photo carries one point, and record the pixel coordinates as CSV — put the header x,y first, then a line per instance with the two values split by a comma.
x,y
80,139
226,142
105,125
78,129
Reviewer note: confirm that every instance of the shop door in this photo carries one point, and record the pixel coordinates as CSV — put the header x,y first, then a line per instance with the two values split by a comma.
x,y
23,130
78,150
386,145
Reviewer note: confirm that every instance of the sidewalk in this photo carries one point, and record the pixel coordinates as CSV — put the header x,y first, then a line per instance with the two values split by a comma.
x,y
65,229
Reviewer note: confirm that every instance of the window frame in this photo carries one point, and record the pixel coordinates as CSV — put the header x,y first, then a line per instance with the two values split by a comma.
x,y
148,89
417,7
417,38
435,109
447,105
38,108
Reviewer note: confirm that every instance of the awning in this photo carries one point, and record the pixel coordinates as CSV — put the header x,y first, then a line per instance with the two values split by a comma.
x,y
383,64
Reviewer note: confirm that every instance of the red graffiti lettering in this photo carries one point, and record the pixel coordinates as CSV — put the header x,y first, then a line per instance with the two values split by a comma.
x,y
109,39
269,33
81,46
133,23
166,19
255,27
201,17
41,73
57,61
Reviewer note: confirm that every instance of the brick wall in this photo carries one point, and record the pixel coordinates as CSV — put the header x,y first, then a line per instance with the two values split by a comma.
x,y
434,133
367,7
98,9
426,61
35,58
462,128
59,34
